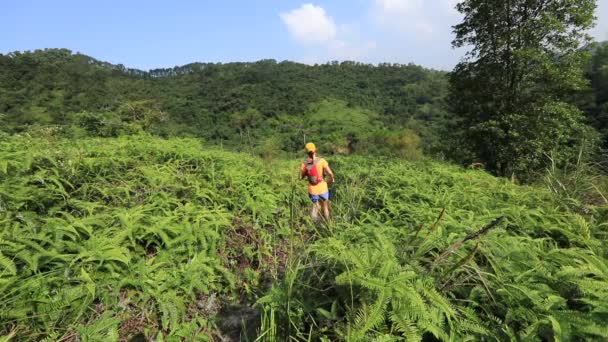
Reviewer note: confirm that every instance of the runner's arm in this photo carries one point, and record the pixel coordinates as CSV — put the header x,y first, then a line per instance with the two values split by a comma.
x,y
330,173
302,171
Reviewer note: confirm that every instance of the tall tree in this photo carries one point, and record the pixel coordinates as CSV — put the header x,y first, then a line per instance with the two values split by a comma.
x,y
598,74
511,92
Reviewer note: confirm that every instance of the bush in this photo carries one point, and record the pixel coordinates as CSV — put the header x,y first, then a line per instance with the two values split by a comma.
x,y
406,144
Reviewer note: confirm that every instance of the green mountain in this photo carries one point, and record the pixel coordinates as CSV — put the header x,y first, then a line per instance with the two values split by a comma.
x,y
245,105
212,101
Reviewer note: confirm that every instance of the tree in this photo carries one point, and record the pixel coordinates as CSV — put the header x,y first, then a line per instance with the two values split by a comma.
x,y
245,121
511,92
406,144
142,112
598,75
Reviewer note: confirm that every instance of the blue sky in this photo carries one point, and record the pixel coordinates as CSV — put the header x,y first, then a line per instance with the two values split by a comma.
x,y
150,34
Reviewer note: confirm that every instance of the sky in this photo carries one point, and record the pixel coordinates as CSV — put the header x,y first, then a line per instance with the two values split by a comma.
x,y
156,34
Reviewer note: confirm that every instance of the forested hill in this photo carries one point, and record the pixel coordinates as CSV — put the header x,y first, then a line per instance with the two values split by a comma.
x,y
260,107
269,86
221,101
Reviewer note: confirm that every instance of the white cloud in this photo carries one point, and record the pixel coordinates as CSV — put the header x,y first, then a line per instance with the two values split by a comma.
x,y
310,24
406,16
404,31
313,28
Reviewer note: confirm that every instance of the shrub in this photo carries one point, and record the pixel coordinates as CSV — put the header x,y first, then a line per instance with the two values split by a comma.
x,y
406,144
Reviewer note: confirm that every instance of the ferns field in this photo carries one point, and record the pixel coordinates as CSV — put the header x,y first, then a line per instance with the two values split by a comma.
x,y
141,238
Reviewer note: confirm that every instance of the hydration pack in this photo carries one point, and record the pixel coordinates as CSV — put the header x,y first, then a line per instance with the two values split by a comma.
x,y
312,171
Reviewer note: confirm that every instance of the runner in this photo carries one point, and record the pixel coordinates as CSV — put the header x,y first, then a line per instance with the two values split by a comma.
x,y
314,168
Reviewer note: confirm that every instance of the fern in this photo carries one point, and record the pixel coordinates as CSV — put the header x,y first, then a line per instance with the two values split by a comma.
x,y
369,317
8,265
148,228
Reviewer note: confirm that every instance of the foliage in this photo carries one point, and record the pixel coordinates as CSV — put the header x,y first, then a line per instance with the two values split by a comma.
x,y
407,144
155,238
135,237
425,251
597,106
512,91
579,184
239,105
113,226
363,107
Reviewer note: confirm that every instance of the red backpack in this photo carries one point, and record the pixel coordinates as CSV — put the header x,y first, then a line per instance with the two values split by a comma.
x,y
312,171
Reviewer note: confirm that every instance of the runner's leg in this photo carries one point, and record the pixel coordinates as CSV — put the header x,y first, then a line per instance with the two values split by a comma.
x,y
315,211
325,204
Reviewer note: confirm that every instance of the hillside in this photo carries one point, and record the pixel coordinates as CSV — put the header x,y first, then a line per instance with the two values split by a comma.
x,y
78,82
222,103
143,237
215,101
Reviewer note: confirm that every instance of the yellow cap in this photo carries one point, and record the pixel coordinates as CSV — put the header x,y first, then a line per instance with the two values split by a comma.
x,y
310,147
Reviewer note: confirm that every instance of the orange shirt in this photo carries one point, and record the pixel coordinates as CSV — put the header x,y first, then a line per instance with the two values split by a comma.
x,y
321,187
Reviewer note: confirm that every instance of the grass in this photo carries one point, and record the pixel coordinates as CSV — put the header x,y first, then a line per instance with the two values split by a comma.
x,y
113,239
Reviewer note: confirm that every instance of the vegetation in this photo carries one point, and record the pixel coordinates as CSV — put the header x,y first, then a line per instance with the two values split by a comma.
x,y
166,204
234,104
596,103
141,236
244,105
426,251
512,93
157,237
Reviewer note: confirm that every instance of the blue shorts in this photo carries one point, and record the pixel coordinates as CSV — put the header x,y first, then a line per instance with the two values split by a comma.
x,y
316,198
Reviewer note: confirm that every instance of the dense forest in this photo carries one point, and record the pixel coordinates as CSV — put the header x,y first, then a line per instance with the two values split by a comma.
x,y
265,106
262,103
